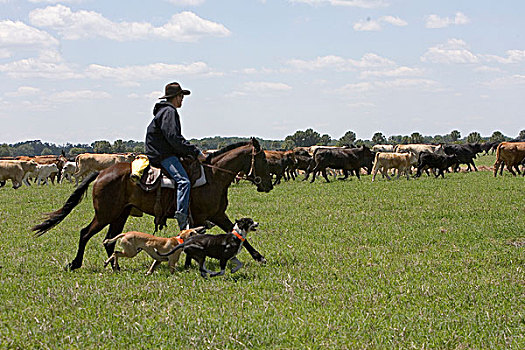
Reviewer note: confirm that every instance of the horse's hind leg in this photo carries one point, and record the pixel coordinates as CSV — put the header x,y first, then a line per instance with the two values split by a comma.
x,y
116,228
85,235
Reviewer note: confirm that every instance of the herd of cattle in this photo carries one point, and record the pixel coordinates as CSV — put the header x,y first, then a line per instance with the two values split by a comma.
x,y
43,168
382,158
286,164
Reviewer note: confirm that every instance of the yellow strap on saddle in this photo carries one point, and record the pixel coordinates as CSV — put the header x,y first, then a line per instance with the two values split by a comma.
x,y
140,163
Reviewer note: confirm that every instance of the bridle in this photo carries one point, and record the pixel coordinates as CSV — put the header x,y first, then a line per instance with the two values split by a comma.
x,y
252,176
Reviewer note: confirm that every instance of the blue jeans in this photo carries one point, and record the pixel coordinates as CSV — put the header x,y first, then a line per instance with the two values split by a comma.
x,y
174,167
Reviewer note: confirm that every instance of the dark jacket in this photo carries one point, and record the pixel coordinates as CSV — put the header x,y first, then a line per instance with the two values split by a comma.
x,y
163,136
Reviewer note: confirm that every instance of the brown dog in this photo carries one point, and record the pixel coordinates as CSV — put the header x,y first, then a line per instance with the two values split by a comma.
x,y
133,242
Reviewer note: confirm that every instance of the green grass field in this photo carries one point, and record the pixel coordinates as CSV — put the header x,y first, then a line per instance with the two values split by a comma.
x,y
351,264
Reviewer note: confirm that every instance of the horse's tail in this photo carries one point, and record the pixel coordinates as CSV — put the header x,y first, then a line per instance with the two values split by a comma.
x,y
56,217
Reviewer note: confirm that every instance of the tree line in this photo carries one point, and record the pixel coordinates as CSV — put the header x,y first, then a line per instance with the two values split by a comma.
x,y
300,138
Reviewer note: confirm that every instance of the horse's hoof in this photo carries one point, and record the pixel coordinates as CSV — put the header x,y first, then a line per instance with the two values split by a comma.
x,y
261,260
70,267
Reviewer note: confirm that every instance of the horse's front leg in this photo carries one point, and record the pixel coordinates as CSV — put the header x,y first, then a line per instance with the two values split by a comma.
x,y
225,223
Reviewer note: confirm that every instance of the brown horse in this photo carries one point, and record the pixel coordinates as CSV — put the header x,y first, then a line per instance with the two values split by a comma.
x,y
115,194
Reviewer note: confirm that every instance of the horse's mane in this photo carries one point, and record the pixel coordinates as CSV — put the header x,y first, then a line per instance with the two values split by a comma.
x,y
225,149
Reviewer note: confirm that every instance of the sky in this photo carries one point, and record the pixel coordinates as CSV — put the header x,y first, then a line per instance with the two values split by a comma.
x,y
79,71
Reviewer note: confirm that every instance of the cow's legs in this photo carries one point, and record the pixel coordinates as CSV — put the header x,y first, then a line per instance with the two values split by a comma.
x,y
384,172
509,168
325,175
314,173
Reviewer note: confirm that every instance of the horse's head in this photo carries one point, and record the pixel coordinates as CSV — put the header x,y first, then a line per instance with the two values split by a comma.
x,y
258,172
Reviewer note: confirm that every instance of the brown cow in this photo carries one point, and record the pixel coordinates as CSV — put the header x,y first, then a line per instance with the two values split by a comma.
x,y
90,162
511,154
278,161
15,170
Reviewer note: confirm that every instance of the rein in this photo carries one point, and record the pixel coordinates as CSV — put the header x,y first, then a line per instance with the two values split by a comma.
x,y
251,173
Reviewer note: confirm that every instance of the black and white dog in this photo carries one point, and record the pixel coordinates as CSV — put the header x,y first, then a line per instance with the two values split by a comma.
x,y
223,247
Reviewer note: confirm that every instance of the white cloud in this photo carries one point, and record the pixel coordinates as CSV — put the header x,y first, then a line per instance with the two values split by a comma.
x,y
396,72
487,69
408,83
186,2
339,63
457,51
513,56
376,25
260,88
368,25
324,62
74,96
353,88
434,21
56,1
361,105
151,71
47,65
352,3
24,91
18,35
506,82
453,51
4,53
395,21
182,27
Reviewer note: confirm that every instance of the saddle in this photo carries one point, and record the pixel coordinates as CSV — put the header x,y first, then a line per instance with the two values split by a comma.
x,y
150,178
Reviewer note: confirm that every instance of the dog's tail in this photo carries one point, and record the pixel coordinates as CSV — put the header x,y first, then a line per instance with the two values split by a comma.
x,y
113,240
180,246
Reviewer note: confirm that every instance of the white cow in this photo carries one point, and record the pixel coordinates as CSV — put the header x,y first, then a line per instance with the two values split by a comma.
x,y
44,171
68,172
312,149
417,148
400,161
383,148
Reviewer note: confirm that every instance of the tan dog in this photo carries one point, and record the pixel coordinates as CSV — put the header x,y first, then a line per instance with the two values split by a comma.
x,y
133,242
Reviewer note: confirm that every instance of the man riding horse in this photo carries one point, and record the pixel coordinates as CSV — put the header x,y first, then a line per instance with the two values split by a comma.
x,y
165,145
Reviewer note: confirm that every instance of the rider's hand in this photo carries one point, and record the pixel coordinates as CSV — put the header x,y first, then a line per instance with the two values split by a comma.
x,y
201,157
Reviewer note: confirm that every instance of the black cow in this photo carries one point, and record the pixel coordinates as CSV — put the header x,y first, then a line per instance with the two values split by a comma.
x,y
465,154
435,161
348,159
489,145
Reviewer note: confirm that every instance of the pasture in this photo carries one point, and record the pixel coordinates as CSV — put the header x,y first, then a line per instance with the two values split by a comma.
x,y
426,263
